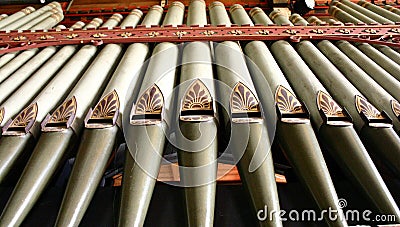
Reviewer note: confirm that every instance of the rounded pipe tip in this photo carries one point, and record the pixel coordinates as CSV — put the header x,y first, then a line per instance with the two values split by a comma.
x,y
216,3
254,11
157,7
177,3
235,7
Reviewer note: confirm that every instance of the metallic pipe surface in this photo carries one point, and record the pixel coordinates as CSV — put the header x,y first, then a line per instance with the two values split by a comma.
x,y
345,93
2,16
379,58
45,101
197,151
276,80
142,164
16,16
59,135
80,192
360,79
295,135
251,151
197,13
259,16
153,17
23,73
298,20
132,19
381,11
239,15
376,72
342,15
112,21
16,63
390,53
378,18
279,18
45,158
353,12
18,23
350,153
82,184
314,19
4,59
218,14
175,14
392,9
95,23
40,18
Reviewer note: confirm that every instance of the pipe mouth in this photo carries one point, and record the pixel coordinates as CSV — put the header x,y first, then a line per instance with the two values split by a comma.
x,y
197,103
371,115
62,118
289,108
22,123
148,107
105,113
244,105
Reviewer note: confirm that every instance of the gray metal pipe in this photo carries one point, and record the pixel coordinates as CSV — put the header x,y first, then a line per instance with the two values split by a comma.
x,y
353,12
218,14
16,79
342,15
378,18
175,14
381,11
379,58
18,23
297,19
239,15
16,16
259,16
279,18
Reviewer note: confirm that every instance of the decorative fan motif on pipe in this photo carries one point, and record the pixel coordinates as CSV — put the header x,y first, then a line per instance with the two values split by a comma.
x,y
243,100
395,108
197,103
369,111
197,97
64,112
371,115
151,101
287,102
148,108
1,114
245,107
24,118
329,106
106,107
